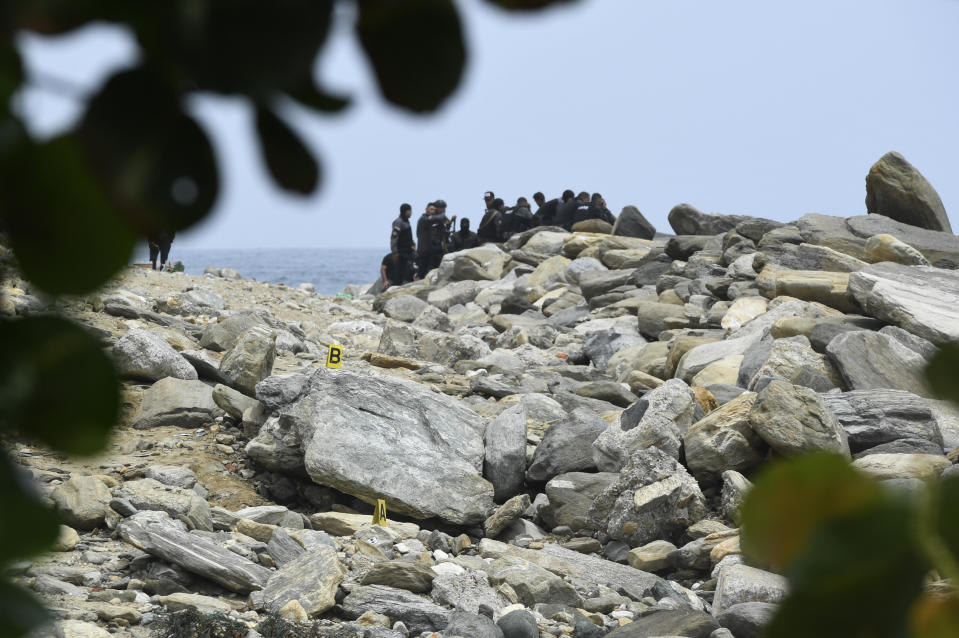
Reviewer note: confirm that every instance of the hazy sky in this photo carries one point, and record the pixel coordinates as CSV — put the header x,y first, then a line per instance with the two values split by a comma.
x,y
758,107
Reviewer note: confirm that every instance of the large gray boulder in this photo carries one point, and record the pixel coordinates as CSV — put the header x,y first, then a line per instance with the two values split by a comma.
x,y
660,418
724,440
250,360
747,620
654,498
405,308
418,613
380,437
687,220
140,354
672,622
412,342
872,360
532,583
505,460
311,578
921,300
941,249
896,189
81,501
875,417
743,584
221,336
465,623
600,345
170,401
826,230
571,495
566,446
180,503
792,359
794,420
632,223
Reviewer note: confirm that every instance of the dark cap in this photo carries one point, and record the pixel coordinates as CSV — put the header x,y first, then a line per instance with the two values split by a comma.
x,y
439,203
489,195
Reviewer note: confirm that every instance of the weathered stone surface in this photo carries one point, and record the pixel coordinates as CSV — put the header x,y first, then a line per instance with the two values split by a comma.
x,y
686,220
505,457
792,359
411,342
871,360
724,440
742,310
674,622
941,249
250,360
404,308
532,583
172,475
660,418
519,623
82,629
828,288
600,345
922,300
222,335
231,401
459,292
566,446
182,504
401,574
794,420
825,230
747,620
143,355
376,437
571,495
467,590
885,247
419,614
632,223
651,557
597,282
743,584
344,524
180,601
170,401
159,535
311,578
505,515
465,623
82,501
654,498
874,417
902,466
896,189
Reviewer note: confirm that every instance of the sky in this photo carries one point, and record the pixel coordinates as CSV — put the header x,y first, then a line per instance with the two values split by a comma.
x,y
756,107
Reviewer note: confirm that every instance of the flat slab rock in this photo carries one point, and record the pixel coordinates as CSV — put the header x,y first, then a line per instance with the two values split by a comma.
x,y
159,535
921,299
416,612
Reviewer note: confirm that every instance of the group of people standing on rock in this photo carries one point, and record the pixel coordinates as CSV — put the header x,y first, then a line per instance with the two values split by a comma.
x,y
409,260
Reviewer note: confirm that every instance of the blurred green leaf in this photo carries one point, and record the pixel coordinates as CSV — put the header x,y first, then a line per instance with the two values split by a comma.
x,y
289,161
790,500
527,5
935,616
156,163
944,515
239,46
27,527
416,49
942,372
62,228
857,576
309,95
19,611
57,384
11,76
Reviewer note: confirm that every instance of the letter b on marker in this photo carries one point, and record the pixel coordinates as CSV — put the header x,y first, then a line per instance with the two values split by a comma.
x,y
334,357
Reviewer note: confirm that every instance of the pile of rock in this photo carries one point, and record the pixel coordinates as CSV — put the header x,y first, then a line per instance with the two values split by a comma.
x,y
563,428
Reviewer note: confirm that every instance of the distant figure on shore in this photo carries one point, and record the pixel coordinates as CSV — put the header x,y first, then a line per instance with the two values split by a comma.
x,y
546,212
564,214
432,229
402,246
604,213
160,243
516,220
464,238
489,228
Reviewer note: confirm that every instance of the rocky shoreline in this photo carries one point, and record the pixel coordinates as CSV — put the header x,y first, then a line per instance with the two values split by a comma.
x,y
563,429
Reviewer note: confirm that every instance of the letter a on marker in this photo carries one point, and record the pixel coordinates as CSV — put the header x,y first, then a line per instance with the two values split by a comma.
x,y
379,516
335,357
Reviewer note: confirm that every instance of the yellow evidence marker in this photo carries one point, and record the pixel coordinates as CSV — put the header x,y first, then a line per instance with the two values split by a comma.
x,y
334,357
379,515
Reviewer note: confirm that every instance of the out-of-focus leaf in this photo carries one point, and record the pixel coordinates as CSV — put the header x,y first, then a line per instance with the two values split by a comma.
x,y
290,162
857,576
935,616
19,611
27,527
155,161
942,372
62,228
527,5
793,498
239,46
416,49
309,95
57,384
11,76
945,509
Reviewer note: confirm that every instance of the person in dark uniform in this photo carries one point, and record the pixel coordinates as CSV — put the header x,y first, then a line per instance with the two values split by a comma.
x,y
564,214
517,220
464,238
423,253
584,209
390,275
160,245
546,212
402,246
604,213
490,227
432,229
